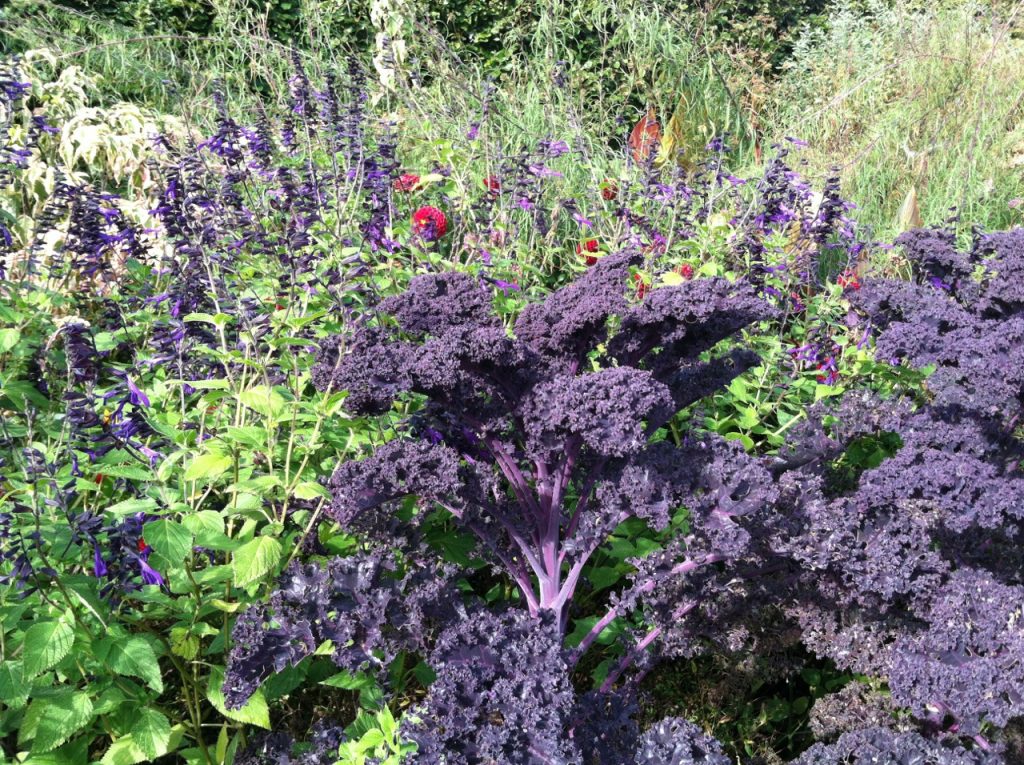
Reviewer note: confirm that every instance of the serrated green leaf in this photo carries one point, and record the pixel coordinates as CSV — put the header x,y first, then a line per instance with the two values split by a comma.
x,y
14,689
208,466
208,527
254,712
132,656
151,733
131,506
131,472
310,490
49,722
263,399
184,643
348,681
169,539
46,644
9,339
255,559
248,435
124,751
108,701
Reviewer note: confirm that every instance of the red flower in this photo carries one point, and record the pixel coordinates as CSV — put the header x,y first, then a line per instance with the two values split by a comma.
x,y
685,271
430,223
609,190
99,478
641,287
589,245
492,184
141,545
848,280
406,183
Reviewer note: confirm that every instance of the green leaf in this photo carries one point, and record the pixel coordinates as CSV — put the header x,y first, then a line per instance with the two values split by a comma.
x,y
208,527
124,751
310,490
46,644
349,681
49,722
205,384
131,472
134,656
254,712
208,466
13,688
248,435
8,339
263,399
255,559
184,643
601,577
130,506
826,391
171,540
152,732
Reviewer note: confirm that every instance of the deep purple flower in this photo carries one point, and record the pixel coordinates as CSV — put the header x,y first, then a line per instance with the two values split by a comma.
x,y
99,566
136,396
149,574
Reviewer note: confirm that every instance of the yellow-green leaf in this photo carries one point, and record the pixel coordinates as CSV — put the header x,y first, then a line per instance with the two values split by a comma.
x,y
256,558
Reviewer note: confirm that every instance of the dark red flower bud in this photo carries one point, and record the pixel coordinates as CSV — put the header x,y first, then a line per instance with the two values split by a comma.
x,y
492,184
588,245
685,271
609,190
641,287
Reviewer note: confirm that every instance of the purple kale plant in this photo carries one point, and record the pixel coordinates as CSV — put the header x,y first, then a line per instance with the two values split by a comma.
x,y
538,441
912,573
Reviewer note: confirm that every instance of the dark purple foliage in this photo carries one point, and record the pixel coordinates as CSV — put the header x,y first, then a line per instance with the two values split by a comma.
x,y
538,444
502,694
963,314
368,609
679,742
912,572
874,746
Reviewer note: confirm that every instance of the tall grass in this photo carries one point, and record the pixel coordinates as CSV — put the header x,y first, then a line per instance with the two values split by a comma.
x,y
903,98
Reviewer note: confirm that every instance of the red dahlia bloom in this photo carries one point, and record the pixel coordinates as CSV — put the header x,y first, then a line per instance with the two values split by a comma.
x,y
430,223
685,271
406,183
492,184
141,545
589,245
609,190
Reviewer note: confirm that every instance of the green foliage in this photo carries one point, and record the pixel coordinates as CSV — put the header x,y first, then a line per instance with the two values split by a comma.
x,y
911,99
88,677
